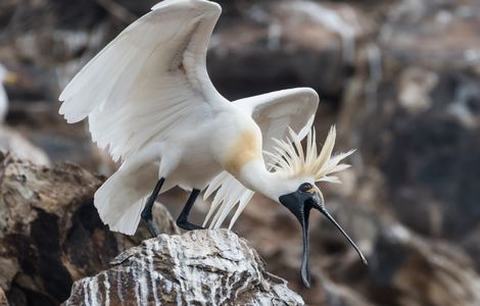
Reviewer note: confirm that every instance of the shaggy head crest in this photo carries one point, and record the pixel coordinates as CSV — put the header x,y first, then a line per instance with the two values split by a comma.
x,y
290,158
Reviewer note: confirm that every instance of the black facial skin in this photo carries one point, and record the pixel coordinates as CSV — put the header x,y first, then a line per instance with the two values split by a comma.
x,y
300,203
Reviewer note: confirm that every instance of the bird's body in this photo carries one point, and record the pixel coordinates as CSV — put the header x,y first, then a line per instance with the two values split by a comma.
x,y
150,103
209,147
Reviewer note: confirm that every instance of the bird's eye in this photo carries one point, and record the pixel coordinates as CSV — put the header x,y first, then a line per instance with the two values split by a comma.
x,y
305,187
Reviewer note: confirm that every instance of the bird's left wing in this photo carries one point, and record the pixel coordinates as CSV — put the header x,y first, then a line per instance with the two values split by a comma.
x,y
148,82
274,113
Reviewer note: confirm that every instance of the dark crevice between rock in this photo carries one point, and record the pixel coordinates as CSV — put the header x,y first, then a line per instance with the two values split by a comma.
x,y
87,236
45,238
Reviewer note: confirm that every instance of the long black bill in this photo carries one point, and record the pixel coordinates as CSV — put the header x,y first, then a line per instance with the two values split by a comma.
x,y
331,219
300,205
305,270
304,221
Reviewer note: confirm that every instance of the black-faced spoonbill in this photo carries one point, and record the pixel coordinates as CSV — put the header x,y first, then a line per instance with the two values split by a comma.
x,y
150,102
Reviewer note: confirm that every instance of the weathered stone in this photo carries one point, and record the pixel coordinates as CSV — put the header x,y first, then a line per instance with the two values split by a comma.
x,y
265,37
404,268
409,103
50,232
3,298
434,33
408,270
415,117
197,268
12,141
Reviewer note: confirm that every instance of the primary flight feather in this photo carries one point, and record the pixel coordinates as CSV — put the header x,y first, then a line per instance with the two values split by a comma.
x,y
150,102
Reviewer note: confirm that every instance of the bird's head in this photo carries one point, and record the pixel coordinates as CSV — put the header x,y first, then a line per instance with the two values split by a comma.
x,y
301,170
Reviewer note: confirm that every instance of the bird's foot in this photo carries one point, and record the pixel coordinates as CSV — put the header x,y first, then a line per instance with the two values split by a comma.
x,y
148,218
152,228
184,224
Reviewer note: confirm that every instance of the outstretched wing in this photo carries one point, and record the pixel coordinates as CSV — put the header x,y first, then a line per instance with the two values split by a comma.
x,y
274,113
149,80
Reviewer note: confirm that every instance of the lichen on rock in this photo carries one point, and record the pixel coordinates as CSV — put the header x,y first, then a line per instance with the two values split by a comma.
x,y
197,268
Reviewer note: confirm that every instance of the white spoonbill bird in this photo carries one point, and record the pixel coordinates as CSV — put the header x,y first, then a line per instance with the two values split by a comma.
x,y
150,103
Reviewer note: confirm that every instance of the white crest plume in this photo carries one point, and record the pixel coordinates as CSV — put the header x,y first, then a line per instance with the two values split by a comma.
x,y
288,158
291,159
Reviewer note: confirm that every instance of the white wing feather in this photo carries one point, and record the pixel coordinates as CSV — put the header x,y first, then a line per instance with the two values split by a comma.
x,y
141,88
274,113
148,80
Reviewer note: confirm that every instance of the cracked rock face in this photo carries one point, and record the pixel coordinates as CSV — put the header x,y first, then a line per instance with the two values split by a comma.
x,y
3,298
196,268
50,233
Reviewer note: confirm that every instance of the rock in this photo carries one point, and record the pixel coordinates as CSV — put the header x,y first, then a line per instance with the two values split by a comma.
x,y
471,244
435,33
408,270
51,236
415,116
266,36
197,268
12,141
405,268
3,298
50,232
408,101
337,294
40,123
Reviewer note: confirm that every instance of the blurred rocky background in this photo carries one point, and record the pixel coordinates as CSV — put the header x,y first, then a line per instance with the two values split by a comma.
x,y
400,78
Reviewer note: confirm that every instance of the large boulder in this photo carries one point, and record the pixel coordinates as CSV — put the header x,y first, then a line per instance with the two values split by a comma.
x,y
286,44
51,236
50,232
405,268
414,116
3,298
197,268
408,270
13,141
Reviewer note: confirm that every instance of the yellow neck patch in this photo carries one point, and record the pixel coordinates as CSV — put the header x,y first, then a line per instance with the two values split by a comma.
x,y
245,148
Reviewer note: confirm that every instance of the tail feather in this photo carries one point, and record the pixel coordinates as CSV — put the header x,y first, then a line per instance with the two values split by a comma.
x,y
128,223
121,199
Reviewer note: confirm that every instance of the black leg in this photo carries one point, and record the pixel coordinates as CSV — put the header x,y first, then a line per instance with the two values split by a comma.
x,y
182,220
147,211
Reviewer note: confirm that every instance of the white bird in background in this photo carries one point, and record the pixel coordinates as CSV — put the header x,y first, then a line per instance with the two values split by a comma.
x,y
6,77
150,103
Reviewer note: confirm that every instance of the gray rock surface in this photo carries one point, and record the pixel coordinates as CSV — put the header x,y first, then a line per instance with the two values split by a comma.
x,y
50,233
410,270
15,142
3,298
197,268
418,127
265,35
408,100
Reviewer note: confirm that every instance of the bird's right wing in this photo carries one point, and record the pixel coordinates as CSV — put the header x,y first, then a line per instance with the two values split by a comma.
x,y
275,113
150,81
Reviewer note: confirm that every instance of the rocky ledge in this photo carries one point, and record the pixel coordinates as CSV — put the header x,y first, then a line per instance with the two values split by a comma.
x,y
51,237
197,268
